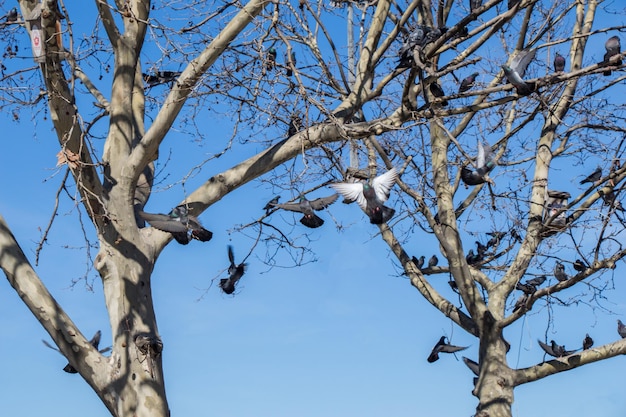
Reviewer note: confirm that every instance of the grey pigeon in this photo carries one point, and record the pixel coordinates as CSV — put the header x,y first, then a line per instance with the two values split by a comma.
x,y
593,177
537,281
270,59
443,347
468,82
613,47
437,92
554,349
559,63
270,204
579,265
95,341
182,225
559,272
307,207
587,342
475,4
371,197
235,273
517,69
420,36
472,365
290,62
419,263
621,329
433,261
485,162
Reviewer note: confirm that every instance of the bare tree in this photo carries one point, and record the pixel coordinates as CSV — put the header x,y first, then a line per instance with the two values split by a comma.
x,y
462,99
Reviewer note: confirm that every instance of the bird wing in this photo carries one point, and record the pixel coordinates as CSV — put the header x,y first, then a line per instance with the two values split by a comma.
x,y
546,348
163,222
351,191
452,348
50,346
520,61
95,340
474,367
322,203
290,207
382,184
231,255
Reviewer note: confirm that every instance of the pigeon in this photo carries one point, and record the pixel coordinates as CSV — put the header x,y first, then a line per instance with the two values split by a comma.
x,y
468,82
613,48
473,366
559,272
475,4
526,288
419,263
579,265
270,59
235,273
307,207
182,225
494,241
559,63
593,177
270,204
420,36
433,261
437,91
621,329
553,349
521,302
485,162
587,342
537,281
481,249
371,197
95,341
290,62
473,258
517,69
161,77
443,347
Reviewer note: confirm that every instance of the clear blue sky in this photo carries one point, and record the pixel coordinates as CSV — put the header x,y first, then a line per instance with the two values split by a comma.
x,y
345,336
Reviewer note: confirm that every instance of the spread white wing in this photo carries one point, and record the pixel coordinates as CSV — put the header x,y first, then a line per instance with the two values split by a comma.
x,y
383,183
351,191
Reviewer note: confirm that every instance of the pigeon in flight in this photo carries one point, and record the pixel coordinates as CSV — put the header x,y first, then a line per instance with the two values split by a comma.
x,y
613,48
307,207
587,342
537,281
593,177
517,69
559,63
235,273
443,347
559,272
270,204
182,225
553,349
621,329
371,197
95,341
485,162
473,258
468,82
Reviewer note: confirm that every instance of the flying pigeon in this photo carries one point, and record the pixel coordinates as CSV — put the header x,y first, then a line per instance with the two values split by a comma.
x,y
553,349
593,177
517,69
235,272
182,225
468,82
419,263
270,60
485,162
270,204
95,341
579,265
621,329
472,365
433,261
613,48
559,272
587,342
443,347
371,197
559,63
437,91
307,207
290,62
420,36
475,4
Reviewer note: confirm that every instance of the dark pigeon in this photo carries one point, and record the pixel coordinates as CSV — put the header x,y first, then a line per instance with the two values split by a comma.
x,y
621,329
559,272
161,77
472,365
419,263
433,261
95,341
270,204
559,63
437,92
453,286
587,342
495,239
613,47
593,177
553,349
485,162
182,225
517,69
473,258
579,265
371,197
468,82
270,59
419,37
235,273
443,347
307,207
526,288
290,62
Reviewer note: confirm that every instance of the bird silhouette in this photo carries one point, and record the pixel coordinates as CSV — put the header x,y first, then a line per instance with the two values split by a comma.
x,y
621,329
559,272
587,342
443,347
593,177
517,69
520,302
419,263
182,225
579,265
270,204
437,92
613,47
307,207
433,261
485,163
468,82
559,63
370,197
235,272
94,341
471,258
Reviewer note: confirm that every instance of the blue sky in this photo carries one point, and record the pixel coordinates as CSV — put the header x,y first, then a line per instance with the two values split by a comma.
x,y
345,335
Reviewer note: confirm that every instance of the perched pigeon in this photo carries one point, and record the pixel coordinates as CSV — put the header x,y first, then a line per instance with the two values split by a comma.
x,y
587,342
579,265
559,63
475,4
270,59
95,341
473,258
472,365
290,62
517,69
161,77
613,48
468,82
235,272
559,272
485,162
371,197
419,263
593,177
310,219
621,329
182,225
553,349
437,91
443,347
270,204
433,261
419,37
